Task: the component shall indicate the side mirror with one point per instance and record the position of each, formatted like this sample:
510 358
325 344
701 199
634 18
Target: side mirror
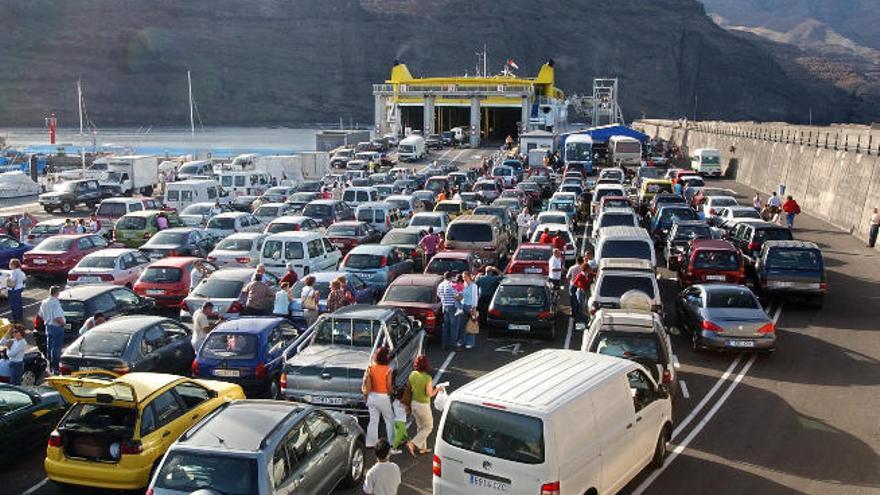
663 391
342 431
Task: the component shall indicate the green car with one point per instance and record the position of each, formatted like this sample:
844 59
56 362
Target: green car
27 416
135 229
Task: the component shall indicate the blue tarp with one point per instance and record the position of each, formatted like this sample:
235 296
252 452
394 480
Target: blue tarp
603 133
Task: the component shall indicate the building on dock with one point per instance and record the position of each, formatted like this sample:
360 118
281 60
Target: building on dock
489 107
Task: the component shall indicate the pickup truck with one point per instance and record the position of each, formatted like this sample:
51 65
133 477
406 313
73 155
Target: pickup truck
67 195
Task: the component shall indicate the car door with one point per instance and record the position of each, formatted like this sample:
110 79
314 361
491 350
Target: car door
20 420
161 424
334 256
149 355
331 451
195 399
691 303
295 465
405 346
649 415
177 352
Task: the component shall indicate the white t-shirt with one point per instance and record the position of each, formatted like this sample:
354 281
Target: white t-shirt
382 479
282 303
17 276
555 268
195 276
200 329
307 292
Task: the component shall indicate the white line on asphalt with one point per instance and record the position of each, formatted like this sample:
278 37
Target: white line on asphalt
690 417
684 389
36 487
778 313
568 335
443 367
702 424
457 156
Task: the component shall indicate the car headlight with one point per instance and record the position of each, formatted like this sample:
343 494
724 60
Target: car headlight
115 450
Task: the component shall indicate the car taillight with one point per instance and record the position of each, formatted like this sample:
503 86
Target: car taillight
63 370
283 380
430 317
38 322
823 286
130 447
767 328
708 325
235 307
489 248
149 491
550 488
195 367
667 377
72 277
383 262
54 439
261 372
436 466
494 312
243 259
753 246
543 315
711 211
121 370
211 258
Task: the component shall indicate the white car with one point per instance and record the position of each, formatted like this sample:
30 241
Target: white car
291 223
118 266
713 203
198 214
226 224
267 212
727 216
559 229
551 217
238 250
437 219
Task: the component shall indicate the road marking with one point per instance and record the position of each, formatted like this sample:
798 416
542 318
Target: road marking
443 367
690 417
457 156
36 487
684 389
26 306
511 348
568 335
702 424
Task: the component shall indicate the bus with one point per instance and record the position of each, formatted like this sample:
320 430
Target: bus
706 162
578 153
624 150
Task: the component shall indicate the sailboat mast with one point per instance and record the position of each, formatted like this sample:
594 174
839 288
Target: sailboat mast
192 124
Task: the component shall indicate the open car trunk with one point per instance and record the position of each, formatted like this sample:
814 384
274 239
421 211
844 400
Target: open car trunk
97 432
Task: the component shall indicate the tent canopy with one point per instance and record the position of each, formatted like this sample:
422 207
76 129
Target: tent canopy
601 134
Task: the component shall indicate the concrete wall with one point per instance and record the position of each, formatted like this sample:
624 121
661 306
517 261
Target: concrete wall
841 186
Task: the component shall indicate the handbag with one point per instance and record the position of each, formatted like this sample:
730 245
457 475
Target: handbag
310 303
473 323
406 396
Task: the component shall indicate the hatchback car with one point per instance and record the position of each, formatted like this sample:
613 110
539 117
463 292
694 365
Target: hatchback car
710 260
455 262
11 248
665 216
180 241
300 199
328 211
45 229
713 203
531 259
249 352
168 281
116 431
523 305
377 264
436 219
452 207
117 266
291 223
347 235
267 447
58 254
198 214
616 277
135 229
416 294
724 316
407 240
749 237
267 212
223 289
226 224
725 217
238 250
680 234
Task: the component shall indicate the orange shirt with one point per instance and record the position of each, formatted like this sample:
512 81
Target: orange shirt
379 378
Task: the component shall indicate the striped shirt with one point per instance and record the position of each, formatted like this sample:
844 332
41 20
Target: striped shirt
447 293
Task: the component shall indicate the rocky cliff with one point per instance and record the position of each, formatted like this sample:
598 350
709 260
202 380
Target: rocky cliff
282 62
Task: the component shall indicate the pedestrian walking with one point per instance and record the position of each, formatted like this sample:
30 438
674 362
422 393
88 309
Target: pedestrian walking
310 297
16 347
430 243
470 298
573 272
14 288
556 264
875 227
423 390
377 388
449 297
53 318
756 202
523 220
202 325
384 477
791 209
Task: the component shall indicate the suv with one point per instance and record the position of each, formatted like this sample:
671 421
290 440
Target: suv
329 368
265 447
69 194
710 260
792 268
481 234
617 276
750 236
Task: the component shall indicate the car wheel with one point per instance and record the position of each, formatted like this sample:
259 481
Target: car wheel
660 449
65 207
48 210
275 390
29 378
355 465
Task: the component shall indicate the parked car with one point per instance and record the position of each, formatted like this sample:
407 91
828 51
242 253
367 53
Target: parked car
424 220
794 270
135 229
45 229
266 449
11 248
328 211
531 258
453 261
35 368
58 254
362 292
416 294
278 194
238 250
117 266
112 209
249 352
483 234
344 341
300 199
267 212
377 264
725 316
308 252
226 224
66 196
168 280
524 305
710 260
407 241
726 217
487 190
426 197
117 431
347 235
198 214
223 289
28 414
179 241
713 203
291 223
557 229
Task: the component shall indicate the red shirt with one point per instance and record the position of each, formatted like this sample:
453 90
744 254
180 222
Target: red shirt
289 277
559 242
791 206
546 238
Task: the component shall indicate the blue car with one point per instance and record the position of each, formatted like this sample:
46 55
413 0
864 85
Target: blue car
11 248
377 264
363 293
249 352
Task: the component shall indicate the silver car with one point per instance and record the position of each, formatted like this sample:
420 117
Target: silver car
223 289
238 250
263 447
725 316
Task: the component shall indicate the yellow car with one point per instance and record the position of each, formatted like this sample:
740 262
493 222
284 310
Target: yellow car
118 430
652 187
452 207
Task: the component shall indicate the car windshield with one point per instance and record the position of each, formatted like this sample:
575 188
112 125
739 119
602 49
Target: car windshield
469 232
693 231
342 231
628 345
658 187
794 259
410 294
169 238
668 216
732 299
75 310
224 345
442 265
553 218
344 331
293 250
267 211
528 296
131 223
111 210
626 249
562 206
601 193
578 152
110 344
235 245
485 186
773 234
614 286
317 211
401 204
746 213
189 472
54 244
218 288
611 220
161 274
495 433
97 262
360 261
533 254
400 239
426 221
65 187
366 214
716 260
717 202
222 223
43 229
649 173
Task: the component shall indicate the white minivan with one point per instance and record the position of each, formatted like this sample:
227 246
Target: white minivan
179 195
309 252
706 162
353 196
554 422
624 242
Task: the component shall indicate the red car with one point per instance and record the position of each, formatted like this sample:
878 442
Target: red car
416 294
167 281
710 260
680 173
531 258
350 233
453 261
58 254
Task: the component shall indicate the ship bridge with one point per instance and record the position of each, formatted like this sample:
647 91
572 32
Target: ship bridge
490 108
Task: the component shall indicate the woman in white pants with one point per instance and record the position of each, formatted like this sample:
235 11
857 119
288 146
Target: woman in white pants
377 389
422 392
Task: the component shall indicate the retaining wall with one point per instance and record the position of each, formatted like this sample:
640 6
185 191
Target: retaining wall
837 180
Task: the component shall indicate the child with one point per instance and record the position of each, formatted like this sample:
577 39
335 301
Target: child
401 435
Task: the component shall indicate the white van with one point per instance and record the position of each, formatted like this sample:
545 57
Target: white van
309 252
249 183
411 149
624 242
353 196
554 422
624 150
706 162
198 168
179 195
381 215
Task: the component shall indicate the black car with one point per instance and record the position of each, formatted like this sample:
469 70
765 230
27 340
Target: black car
81 303
680 234
749 237
179 241
794 270
131 343
433 141
448 138
69 194
523 305
244 203
27 417
310 186
328 211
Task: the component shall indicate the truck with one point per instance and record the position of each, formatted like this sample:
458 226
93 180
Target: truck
411 149
132 174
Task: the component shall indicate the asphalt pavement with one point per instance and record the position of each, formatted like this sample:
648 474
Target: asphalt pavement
803 420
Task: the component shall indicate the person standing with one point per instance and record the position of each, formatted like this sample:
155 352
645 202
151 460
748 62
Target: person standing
448 299
546 238
756 202
556 264
377 388
198 273
259 297
774 201
161 221
337 297
429 244
202 324
16 347
14 289
290 276
282 300
470 298
571 276
875 228
310 297
523 220
791 209
53 318
384 477
25 225
94 224
423 390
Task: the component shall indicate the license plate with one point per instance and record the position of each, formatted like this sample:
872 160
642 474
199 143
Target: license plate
783 284
89 368
68 326
487 485
740 343
519 327
716 277
155 292
533 270
328 401
89 280
227 373
40 262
